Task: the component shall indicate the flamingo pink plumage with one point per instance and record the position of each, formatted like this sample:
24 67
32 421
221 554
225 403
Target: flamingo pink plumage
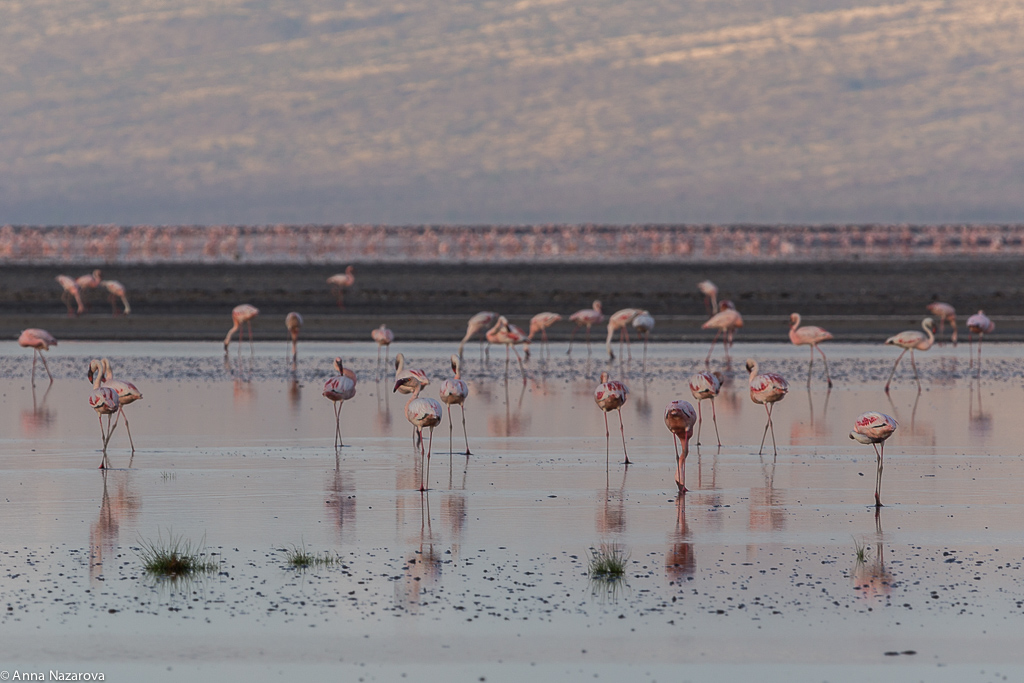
611 395
508 334
874 428
980 325
619 322
911 340
408 381
117 291
127 393
766 389
586 317
340 282
293 323
478 323
383 337
39 340
679 418
339 388
710 292
241 314
421 412
105 402
540 323
706 385
812 336
725 322
945 313
454 392
71 292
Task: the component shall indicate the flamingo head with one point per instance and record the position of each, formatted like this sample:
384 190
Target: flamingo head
751 365
794 319
597 305
456 364
929 323
405 382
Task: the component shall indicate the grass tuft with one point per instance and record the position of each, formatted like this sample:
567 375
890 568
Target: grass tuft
174 558
861 551
300 558
607 563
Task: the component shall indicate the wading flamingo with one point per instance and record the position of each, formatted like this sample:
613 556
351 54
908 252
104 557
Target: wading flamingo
911 340
383 337
293 323
39 340
706 385
339 388
540 323
587 317
115 291
946 314
619 322
679 418
421 412
243 313
610 396
105 402
127 393
89 280
766 389
508 334
710 292
478 323
980 325
71 292
454 392
812 336
725 322
643 323
406 381
874 428
340 282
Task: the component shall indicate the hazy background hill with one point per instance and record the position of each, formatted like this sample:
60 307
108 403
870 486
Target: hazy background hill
180 111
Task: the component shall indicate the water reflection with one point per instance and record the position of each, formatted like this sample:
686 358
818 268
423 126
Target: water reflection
115 508
766 512
611 508
816 430
38 420
870 578
341 501
513 423
422 564
979 423
680 561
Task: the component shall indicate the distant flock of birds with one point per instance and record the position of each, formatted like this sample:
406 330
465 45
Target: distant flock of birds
109 396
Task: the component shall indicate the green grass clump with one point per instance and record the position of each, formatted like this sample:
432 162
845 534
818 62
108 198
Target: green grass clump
607 563
861 551
175 558
300 558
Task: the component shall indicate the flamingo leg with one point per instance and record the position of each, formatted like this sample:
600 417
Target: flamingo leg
810 366
419 431
681 467
771 425
251 348
607 447
338 441
878 477
522 370
970 347
35 352
981 338
128 427
713 341
914 365
765 435
622 430
714 419
430 444
588 341
700 421
828 377
571 337
889 381
464 432
629 349
450 430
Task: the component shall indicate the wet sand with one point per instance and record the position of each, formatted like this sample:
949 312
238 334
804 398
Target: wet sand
752 573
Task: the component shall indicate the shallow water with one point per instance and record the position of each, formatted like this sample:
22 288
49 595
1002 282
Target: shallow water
753 572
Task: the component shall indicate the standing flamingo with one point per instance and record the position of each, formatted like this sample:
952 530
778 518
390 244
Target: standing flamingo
980 325
710 292
508 334
540 323
610 396
340 282
243 313
726 322
587 317
619 322
71 292
383 336
643 323
478 323
766 389
339 388
117 291
454 392
127 393
421 412
406 381
89 280
293 322
105 402
706 385
911 340
38 340
874 428
679 418
812 336
945 313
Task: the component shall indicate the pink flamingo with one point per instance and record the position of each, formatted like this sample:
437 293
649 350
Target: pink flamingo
116 291
454 392
508 334
710 292
383 337
610 396
874 428
766 389
105 402
89 281
71 292
619 322
293 323
421 412
726 322
402 373
340 282
127 393
706 385
812 336
911 340
339 388
38 340
945 313
243 313
478 323
587 317
540 323
679 418
980 325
